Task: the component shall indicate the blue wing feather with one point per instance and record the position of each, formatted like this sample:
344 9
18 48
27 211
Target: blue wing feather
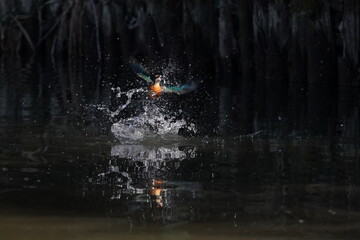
140 71
186 88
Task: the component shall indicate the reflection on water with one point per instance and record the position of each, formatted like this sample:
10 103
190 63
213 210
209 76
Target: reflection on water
149 162
152 153
252 186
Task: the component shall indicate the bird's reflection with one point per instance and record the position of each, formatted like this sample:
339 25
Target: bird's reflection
146 175
151 153
156 192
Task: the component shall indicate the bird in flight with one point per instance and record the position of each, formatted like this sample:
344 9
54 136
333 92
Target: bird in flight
156 88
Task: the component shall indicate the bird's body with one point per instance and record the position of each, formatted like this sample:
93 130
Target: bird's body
156 89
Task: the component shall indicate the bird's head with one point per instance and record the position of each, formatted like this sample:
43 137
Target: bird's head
157 78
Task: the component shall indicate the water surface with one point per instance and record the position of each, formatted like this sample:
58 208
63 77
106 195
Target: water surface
68 171
74 186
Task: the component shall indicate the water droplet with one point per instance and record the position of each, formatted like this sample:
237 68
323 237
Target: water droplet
332 212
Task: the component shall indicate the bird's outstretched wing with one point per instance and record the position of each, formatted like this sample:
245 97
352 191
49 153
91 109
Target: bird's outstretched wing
181 89
140 71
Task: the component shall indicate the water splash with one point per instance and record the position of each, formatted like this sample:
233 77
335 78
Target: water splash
129 94
155 121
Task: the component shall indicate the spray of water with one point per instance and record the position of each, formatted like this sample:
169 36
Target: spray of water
154 121
129 94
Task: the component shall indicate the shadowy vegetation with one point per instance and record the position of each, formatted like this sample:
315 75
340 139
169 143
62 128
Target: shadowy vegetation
259 57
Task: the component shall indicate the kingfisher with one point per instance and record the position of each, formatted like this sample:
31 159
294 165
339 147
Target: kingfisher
155 88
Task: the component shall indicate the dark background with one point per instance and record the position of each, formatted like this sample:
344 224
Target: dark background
277 114
281 66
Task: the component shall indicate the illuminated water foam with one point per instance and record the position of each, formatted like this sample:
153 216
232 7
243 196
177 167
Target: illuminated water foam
153 121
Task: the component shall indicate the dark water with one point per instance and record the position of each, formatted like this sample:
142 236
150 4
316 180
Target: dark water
63 175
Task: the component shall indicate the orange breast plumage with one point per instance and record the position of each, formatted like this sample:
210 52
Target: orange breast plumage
155 91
